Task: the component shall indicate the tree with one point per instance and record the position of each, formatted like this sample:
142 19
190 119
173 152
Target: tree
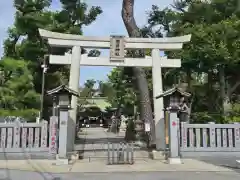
211 59
89 85
123 96
139 73
17 92
24 43
86 92
106 90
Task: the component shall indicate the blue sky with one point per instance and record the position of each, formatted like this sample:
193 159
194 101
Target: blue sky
109 22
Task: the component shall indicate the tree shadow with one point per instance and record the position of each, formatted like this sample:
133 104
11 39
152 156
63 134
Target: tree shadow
228 162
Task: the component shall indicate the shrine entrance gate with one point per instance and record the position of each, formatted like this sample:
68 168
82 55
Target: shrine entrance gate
117 45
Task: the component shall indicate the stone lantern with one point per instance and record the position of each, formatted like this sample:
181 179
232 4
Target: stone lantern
176 100
62 96
175 103
140 133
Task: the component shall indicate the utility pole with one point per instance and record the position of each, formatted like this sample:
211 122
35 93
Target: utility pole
44 70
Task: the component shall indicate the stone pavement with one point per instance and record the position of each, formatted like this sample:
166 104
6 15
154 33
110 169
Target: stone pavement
229 161
93 141
93 145
99 166
23 175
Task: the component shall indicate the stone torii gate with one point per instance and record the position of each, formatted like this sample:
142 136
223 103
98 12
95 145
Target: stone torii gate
117 46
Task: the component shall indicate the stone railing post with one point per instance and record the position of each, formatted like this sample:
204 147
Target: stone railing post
174 137
237 135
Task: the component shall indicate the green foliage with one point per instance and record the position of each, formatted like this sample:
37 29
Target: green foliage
27 114
24 44
16 85
86 92
205 117
130 131
234 114
214 48
124 94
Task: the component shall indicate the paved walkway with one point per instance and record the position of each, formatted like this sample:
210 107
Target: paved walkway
141 170
93 142
23 175
94 139
98 166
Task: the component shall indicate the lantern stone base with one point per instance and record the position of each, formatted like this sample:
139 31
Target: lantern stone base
61 161
157 155
140 143
176 160
71 157
238 163
123 127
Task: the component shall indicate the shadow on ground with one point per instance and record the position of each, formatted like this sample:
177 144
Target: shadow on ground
223 161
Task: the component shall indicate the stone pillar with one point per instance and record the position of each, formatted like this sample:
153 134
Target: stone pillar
63 133
158 103
74 85
174 135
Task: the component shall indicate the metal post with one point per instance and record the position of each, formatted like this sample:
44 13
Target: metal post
44 70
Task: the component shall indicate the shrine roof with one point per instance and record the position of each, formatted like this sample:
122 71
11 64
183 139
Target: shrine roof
62 89
172 91
100 102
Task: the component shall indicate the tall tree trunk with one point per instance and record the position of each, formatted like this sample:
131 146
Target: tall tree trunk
210 91
139 73
225 101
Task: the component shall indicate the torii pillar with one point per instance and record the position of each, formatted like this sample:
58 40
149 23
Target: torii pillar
158 103
74 85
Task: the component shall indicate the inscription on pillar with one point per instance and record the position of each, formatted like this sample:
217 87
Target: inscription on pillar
117 46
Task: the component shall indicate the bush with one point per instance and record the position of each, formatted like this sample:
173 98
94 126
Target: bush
130 134
28 114
205 117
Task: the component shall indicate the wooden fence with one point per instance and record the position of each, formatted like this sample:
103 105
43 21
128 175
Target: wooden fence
209 138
